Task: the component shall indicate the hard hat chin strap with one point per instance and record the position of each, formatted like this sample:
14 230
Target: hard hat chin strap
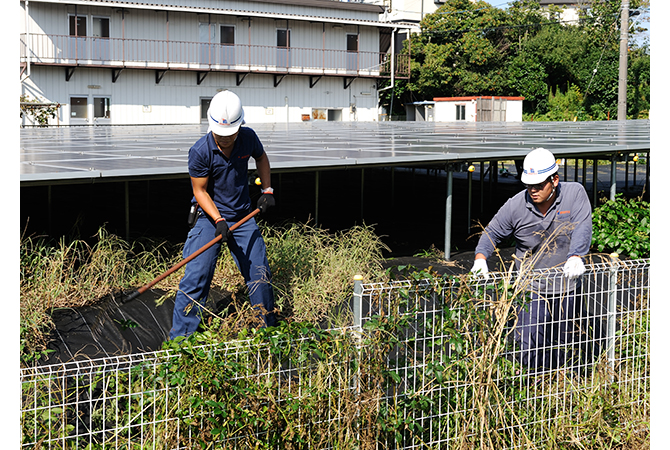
553 189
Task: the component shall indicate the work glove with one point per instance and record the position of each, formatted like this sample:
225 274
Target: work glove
480 268
265 201
574 267
222 229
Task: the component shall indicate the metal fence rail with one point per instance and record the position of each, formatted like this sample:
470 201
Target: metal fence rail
453 371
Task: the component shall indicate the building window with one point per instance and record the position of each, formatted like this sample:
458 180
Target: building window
228 34
283 38
100 38
100 27
204 107
77 48
102 108
78 26
79 107
352 42
460 112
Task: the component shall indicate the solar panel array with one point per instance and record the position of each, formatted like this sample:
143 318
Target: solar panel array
73 153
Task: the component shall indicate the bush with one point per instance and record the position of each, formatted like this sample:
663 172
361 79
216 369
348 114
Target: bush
622 226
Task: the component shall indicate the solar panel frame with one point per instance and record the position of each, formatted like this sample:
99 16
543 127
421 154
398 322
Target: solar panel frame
70 154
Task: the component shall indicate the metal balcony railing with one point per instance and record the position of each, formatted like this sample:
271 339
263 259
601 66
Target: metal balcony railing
162 54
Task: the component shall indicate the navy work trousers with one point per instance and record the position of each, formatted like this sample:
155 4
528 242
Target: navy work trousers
248 250
547 331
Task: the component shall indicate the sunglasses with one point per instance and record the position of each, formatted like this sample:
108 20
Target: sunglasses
538 186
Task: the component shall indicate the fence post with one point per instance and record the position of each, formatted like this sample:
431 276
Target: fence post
358 301
611 312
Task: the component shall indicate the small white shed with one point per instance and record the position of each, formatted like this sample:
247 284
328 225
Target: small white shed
478 109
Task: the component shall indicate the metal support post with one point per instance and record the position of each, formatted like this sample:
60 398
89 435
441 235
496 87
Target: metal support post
469 199
576 170
393 186
612 313
358 302
626 176
447 217
613 178
317 177
595 183
127 208
481 187
362 194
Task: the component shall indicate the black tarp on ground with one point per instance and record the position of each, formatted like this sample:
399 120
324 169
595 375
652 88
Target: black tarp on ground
112 327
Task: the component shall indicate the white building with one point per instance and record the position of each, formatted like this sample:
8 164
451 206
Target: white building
145 62
467 109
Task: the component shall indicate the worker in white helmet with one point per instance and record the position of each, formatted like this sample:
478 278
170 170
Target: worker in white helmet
218 167
550 222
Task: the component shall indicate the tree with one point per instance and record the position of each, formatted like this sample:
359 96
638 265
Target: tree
471 48
460 51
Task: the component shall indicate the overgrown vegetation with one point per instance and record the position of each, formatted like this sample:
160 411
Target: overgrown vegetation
74 273
430 365
623 226
312 273
405 379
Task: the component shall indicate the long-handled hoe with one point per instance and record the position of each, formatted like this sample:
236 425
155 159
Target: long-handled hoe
193 255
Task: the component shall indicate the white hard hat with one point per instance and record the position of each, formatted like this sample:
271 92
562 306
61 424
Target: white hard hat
538 165
225 114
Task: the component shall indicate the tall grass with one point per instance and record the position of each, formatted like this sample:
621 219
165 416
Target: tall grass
312 273
75 273
313 269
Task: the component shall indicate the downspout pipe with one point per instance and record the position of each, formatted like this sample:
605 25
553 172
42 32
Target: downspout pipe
28 51
392 62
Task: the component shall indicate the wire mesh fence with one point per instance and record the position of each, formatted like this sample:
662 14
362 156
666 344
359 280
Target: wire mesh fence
515 361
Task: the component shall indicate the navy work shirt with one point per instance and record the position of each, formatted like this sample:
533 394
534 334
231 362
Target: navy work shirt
228 183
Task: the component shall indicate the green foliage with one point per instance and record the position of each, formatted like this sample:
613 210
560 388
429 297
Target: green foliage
429 362
38 112
622 226
472 48
563 106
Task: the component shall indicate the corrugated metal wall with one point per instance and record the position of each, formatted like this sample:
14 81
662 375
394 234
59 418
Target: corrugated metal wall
136 98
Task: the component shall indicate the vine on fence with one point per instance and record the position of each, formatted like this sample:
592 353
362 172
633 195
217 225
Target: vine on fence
429 368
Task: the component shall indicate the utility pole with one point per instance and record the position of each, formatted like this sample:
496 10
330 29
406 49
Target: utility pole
623 61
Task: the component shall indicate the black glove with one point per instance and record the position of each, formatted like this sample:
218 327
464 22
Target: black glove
265 202
222 229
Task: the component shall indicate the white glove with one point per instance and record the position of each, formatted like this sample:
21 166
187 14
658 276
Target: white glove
480 268
574 267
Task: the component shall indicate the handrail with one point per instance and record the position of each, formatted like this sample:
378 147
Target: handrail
164 54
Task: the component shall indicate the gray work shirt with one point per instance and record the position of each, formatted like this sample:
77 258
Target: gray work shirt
542 241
